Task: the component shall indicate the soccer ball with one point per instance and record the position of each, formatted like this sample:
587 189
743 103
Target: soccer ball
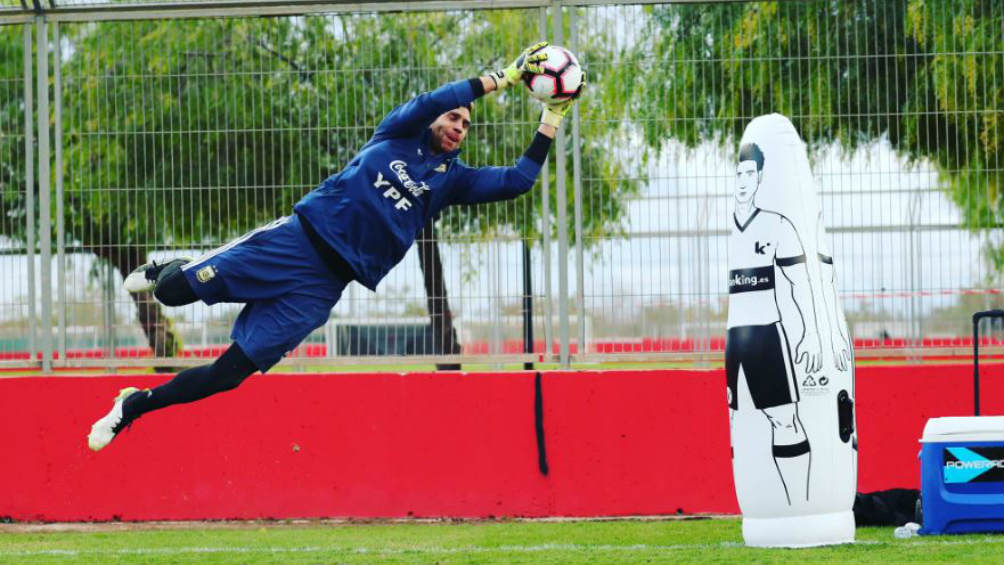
562 77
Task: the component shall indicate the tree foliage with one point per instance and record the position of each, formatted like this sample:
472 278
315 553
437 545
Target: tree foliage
927 75
186 133
12 151
183 133
189 132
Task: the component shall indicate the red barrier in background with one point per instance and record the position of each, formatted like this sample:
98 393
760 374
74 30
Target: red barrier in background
364 445
515 346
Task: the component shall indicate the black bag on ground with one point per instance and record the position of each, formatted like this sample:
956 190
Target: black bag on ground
893 507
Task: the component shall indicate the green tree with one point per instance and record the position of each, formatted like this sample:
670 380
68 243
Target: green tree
12 154
186 133
926 74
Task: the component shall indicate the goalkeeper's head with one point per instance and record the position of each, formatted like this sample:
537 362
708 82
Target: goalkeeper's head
450 129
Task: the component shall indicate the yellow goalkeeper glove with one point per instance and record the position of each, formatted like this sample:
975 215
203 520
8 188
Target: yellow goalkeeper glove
527 62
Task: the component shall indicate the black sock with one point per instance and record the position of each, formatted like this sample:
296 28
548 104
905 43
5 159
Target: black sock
226 373
172 287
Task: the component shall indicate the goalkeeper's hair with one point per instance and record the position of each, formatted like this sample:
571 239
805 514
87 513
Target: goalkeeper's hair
751 152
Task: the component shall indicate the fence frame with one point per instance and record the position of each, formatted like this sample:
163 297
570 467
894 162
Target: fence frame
48 163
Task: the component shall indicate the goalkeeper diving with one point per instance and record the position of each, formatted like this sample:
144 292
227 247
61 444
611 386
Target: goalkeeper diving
354 226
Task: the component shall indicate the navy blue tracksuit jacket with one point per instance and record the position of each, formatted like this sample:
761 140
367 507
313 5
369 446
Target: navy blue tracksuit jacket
371 212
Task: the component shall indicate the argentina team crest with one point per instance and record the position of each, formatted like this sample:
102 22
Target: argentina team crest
205 274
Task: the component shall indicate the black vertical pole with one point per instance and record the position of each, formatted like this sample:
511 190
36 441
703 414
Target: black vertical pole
527 306
976 352
538 424
976 364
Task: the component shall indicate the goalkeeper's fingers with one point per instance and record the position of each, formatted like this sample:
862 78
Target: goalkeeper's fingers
536 47
530 65
561 107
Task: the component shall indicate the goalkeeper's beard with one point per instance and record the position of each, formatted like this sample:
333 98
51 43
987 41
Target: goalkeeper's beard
441 141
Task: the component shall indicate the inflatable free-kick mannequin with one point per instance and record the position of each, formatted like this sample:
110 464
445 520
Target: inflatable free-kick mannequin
788 356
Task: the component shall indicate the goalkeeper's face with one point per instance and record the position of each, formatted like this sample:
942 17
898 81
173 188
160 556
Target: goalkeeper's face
450 129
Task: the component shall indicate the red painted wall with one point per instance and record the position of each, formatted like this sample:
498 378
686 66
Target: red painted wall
618 442
990 347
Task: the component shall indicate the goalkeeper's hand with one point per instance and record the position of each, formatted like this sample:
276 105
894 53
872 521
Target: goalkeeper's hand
555 112
527 62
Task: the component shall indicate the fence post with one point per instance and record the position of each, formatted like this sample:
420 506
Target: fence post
915 339
580 277
562 203
109 311
44 192
29 189
545 230
57 95
705 294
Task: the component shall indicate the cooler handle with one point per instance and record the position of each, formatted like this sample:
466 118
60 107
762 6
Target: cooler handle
976 353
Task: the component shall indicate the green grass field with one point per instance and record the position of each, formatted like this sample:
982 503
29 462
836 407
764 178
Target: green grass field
613 541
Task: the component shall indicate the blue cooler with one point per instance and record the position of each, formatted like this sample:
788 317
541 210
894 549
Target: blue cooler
962 475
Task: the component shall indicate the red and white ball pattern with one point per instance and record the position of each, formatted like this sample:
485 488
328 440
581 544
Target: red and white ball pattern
562 77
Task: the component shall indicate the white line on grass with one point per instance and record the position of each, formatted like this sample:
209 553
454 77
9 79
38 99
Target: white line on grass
451 550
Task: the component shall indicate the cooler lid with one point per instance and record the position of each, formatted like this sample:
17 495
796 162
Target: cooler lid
967 428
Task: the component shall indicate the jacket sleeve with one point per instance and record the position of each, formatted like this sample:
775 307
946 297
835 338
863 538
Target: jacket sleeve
489 184
416 114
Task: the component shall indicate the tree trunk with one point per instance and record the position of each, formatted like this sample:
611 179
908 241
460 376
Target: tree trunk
444 335
160 335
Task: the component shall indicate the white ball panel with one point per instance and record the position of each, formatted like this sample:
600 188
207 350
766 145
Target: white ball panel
556 58
571 79
542 87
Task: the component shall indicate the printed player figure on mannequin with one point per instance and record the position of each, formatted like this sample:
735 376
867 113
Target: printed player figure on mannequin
788 358
758 347
839 342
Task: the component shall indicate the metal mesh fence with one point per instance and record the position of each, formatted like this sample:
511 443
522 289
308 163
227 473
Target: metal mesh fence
900 103
223 124
18 315
174 136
